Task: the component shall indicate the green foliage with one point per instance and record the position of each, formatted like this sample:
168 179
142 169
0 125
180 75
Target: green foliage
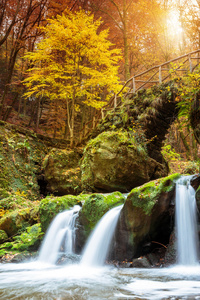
188 88
28 240
170 154
191 167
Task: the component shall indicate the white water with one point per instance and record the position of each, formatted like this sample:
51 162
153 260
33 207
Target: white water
186 223
97 247
60 236
37 282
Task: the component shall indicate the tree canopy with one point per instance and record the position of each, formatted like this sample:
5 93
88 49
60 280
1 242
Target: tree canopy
73 65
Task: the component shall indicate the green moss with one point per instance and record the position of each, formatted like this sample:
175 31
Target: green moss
95 206
117 138
20 159
104 147
17 201
16 221
62 171
114 198
147 195
197 196
51 206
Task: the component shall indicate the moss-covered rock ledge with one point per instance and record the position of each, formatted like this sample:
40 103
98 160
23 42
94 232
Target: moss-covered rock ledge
23 223
94 206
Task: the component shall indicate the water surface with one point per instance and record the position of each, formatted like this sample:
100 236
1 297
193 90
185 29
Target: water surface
38 281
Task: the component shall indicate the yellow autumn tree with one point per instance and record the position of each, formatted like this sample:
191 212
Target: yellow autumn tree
73 62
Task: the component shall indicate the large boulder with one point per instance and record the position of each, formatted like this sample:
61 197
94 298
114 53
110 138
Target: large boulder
146 220
114 160
62 171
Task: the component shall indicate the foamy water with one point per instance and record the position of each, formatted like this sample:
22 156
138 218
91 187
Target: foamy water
35 281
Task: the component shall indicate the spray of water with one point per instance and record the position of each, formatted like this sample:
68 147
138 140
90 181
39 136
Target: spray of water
186 223
60 236
97 247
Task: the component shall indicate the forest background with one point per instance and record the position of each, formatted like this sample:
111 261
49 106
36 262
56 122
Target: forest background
122 38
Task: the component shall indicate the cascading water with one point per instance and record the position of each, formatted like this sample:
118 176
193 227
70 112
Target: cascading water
186 223
61 234
97 247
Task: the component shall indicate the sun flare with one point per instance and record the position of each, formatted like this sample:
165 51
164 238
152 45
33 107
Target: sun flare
174 27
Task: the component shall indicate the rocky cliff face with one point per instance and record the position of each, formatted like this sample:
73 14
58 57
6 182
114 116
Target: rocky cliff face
21 154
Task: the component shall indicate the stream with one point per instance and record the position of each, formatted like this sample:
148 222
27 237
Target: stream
37 281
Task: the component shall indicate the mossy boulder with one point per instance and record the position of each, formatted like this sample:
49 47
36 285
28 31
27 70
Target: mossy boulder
146 219
62 171
16 221
95 206
52 205
114 160
93 209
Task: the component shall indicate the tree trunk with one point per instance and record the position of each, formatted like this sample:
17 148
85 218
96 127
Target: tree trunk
126 46
37 121
10 73
8 111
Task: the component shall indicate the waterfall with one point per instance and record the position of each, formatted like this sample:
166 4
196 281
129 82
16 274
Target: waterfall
97 247
60 236
186 222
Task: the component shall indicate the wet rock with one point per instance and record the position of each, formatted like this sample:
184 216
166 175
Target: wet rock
68 259
146 220
141 262
171 253
195 182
